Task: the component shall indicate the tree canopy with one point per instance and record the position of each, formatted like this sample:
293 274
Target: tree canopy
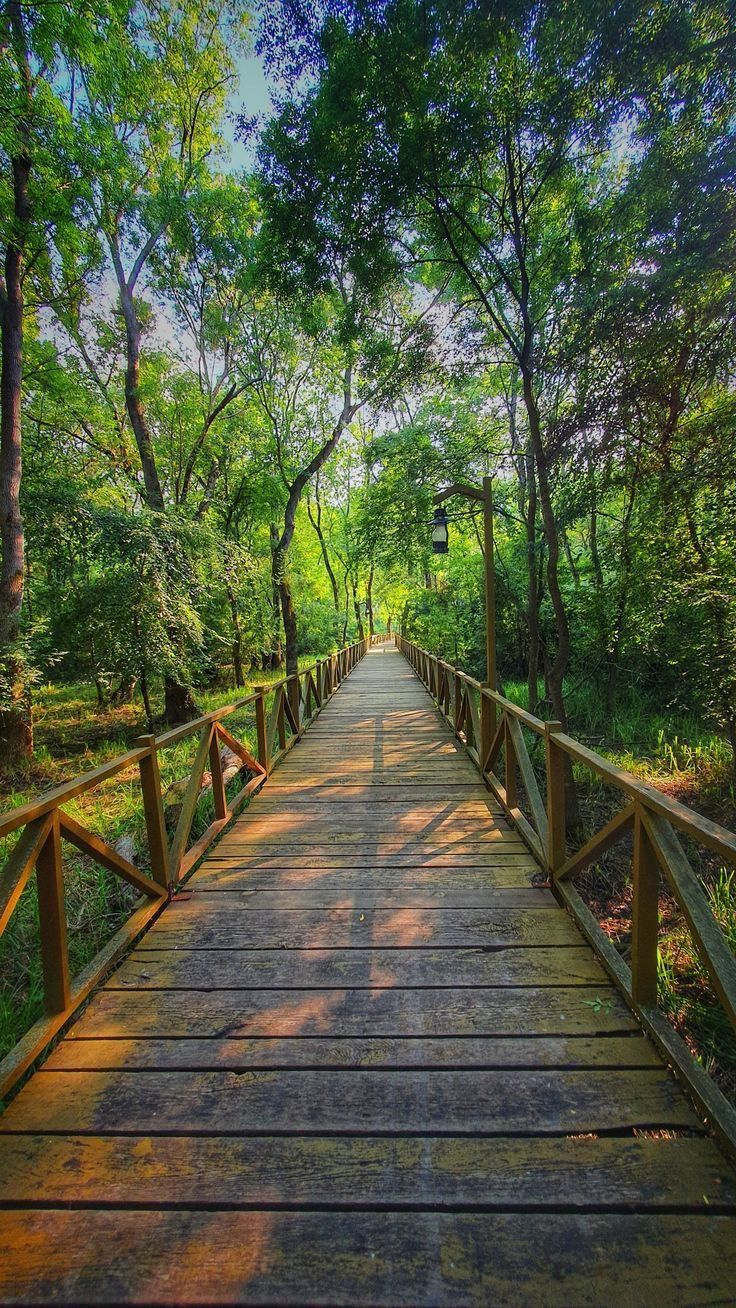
465 240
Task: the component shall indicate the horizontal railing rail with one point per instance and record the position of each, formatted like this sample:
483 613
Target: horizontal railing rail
282 711
490 727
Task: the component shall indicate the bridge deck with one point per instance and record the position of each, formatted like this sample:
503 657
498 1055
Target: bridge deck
367 1061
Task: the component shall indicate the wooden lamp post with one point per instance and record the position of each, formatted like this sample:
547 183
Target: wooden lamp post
483 496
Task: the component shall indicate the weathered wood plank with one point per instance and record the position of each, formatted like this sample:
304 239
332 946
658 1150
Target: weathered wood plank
202 1054
284 968
426 1012
232 874
199 925
403 896
267 1257
420 1102
305 1171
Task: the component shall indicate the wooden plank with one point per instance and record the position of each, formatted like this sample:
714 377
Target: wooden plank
353 1172
423 1259
393 1012
426 834
305 794
189 804
193 924
316 968
91 845
205 1054
19 866
236 747
531 787
415 853
351 1101
401 896
52 923
619 825
715 953
232 874
644 916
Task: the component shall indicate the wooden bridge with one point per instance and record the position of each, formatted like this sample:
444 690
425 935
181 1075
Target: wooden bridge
366 1055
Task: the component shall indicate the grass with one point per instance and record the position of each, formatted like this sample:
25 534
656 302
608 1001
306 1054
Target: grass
73 735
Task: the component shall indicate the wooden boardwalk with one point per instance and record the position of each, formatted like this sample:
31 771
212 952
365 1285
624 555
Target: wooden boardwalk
367 1061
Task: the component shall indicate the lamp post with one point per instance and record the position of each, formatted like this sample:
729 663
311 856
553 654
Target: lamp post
482 496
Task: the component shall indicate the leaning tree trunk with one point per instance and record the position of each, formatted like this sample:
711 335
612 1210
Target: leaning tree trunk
559 665
16 727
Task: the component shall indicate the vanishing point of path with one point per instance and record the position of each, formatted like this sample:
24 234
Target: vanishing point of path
368 1060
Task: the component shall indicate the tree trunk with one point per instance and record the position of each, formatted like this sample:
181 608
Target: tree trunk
369 602
16 728
125 691
316 521
179 703
556 674
290 628
237 634
153 493
532 593
146 701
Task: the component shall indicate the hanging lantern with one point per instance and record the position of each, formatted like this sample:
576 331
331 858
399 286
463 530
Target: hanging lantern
439 531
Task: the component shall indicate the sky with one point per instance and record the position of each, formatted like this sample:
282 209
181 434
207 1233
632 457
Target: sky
250 97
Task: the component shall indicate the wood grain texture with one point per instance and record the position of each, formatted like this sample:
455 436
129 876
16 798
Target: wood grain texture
369 1061
206 1054
295 968
425 1259
349 1102
306 1171
388 1011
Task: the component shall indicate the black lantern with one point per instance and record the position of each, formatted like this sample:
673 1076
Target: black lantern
439 531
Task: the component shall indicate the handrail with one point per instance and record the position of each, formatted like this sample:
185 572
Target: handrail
492 727
297 700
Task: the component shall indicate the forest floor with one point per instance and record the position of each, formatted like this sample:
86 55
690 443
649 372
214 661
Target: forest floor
681 757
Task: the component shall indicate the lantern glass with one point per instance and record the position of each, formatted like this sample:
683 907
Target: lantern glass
439 532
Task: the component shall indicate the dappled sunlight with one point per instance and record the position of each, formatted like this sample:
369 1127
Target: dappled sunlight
312 1013
405 927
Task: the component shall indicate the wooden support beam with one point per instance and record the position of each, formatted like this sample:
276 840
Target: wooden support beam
644 916
52 922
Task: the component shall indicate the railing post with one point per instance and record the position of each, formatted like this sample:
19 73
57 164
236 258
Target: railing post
261 729
52 922
153 809
556 798
487 725
512 794
218 785
644 917
457 700
292 690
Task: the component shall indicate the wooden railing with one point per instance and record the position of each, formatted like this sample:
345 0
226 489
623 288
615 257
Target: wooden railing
282 712
492 728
